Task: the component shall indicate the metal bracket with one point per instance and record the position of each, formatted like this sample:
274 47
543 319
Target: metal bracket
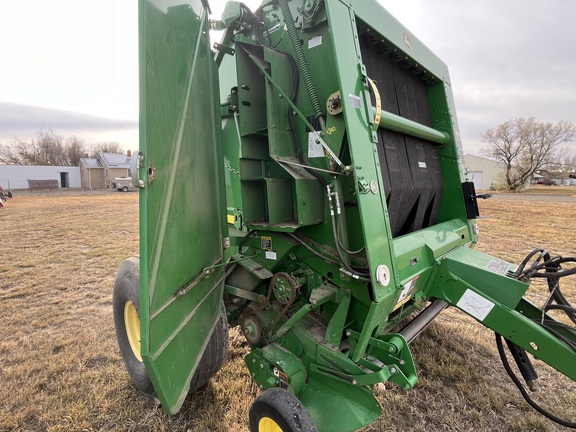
334 103
363 186
224 48
137 162
247 295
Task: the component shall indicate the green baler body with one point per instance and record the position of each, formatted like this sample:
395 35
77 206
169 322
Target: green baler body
244 177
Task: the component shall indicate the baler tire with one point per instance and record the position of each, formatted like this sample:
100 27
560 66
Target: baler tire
127 290
214 355
125 189
277 409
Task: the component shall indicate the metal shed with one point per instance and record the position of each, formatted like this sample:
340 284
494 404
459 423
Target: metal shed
99 172
483 172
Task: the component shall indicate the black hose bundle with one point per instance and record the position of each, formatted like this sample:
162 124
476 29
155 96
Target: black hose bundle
549 268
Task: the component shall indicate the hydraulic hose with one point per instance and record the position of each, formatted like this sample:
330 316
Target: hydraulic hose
543 266
523 392
301 59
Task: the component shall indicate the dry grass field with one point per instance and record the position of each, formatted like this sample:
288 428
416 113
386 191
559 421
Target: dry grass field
60 368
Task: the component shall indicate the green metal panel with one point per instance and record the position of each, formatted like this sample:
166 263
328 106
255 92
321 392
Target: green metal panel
181 203
476 284
354 88
379 18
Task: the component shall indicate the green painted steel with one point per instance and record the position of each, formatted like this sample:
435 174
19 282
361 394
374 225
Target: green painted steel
270 146
181 203
479 285
340 224
409 127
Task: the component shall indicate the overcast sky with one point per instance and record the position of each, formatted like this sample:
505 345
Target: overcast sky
72 64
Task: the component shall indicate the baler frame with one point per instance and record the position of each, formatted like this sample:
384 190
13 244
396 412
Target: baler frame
318 256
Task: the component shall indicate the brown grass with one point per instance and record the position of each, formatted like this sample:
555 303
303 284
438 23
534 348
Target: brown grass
60 369
536 189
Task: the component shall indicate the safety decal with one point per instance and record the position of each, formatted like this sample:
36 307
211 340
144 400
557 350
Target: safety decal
355 101
475 305
315 149
266 242
315 41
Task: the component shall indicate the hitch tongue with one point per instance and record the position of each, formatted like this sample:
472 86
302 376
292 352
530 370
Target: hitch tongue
524 364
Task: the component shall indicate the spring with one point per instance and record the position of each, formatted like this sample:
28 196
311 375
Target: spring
304 68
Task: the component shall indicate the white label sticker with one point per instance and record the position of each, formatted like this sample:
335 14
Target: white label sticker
315 41
408 288
273 29
271 255
355 101
498 266
422 164
474 304
315 150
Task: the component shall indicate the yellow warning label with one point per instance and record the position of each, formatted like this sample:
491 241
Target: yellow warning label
378 104
266 242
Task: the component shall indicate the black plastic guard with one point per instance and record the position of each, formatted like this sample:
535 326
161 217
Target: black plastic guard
472 211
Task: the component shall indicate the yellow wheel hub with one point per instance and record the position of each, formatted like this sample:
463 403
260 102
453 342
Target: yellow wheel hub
266 424
132 323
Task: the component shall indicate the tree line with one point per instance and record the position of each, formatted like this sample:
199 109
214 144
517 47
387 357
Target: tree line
50 148
525 146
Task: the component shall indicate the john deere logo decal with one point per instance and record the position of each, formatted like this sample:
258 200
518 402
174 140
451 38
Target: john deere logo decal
407 41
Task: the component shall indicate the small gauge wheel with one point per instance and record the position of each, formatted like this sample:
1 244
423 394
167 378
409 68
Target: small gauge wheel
277 410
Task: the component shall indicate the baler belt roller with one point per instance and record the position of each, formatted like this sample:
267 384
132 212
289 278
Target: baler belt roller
403 125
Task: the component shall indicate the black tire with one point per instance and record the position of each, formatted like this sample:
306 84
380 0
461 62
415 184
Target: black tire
124 188
113 185
282 408
9 194
214 356
127 289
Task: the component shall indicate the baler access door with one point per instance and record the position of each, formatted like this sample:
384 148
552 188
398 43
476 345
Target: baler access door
181 196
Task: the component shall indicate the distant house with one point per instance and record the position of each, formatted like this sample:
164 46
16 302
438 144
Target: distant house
538 178
561 179
99 172
485 173
91 174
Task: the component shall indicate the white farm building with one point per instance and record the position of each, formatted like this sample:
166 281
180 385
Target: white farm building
39 176
96 173
483 172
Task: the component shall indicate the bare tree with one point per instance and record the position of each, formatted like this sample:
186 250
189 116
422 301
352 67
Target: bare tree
47 148
106 147
50 147
75 150
8 155
524 146
25 152
565 166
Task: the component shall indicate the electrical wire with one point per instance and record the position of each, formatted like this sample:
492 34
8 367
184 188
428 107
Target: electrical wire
549 268
314 251
523 391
